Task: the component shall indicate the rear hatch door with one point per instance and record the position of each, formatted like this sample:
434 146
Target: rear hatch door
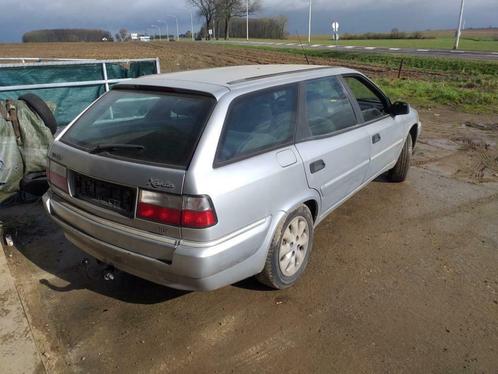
130 140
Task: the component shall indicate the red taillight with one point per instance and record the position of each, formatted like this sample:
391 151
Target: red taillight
57 175
198 212
195 219
186 211
156 213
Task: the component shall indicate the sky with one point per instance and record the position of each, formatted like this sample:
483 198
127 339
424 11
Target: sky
354 16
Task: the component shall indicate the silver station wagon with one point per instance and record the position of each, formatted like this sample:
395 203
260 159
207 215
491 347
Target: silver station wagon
200 179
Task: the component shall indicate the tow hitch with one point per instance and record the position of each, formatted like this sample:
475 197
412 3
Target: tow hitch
108 273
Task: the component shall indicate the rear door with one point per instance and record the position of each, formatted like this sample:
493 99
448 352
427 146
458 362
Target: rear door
385 132
334 147
256 170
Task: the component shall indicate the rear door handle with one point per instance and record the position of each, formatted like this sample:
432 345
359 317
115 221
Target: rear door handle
317 166
375 138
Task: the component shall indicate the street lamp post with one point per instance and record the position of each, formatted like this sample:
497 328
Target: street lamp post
167 28
192 25
309 24
459 30
247 20
177 32
157 27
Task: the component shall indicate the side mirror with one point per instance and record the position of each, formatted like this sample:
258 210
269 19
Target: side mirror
399 108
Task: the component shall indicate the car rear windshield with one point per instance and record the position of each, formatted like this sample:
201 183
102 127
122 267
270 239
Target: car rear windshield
156 127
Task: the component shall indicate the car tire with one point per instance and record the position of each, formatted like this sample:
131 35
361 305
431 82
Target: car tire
290 250
37 105
400 171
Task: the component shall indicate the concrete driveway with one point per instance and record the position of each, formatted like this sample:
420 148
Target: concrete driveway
402 278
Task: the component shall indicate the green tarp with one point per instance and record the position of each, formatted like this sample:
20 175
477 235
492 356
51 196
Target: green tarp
17 160
69 101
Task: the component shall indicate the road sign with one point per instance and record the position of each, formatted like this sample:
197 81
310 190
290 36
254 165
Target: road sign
335 30
210 32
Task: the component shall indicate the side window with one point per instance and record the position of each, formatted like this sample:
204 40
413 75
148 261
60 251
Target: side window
328 108
371 103
257 122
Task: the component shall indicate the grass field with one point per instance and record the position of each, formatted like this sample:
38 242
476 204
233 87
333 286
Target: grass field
476 34
469 86
437 43
482 33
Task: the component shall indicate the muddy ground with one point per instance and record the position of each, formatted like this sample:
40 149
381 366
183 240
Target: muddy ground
402 278
177 56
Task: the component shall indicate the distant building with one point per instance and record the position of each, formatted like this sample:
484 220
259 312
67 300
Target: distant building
144 38
134 36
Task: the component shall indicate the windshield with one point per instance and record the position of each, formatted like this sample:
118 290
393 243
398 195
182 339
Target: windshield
147 126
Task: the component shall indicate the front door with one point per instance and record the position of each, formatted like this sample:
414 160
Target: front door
386 134
334 148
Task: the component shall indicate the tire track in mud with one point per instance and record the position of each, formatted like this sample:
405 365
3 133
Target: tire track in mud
255 351
459 208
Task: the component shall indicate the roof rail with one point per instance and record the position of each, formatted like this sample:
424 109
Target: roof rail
276 74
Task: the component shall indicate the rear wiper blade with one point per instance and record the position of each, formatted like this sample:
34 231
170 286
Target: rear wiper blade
116 147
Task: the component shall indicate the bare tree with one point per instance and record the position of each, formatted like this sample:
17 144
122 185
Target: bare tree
227 9
122 35
206 9
269 28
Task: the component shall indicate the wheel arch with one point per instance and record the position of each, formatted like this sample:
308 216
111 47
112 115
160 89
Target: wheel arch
414 134
312 205
311 199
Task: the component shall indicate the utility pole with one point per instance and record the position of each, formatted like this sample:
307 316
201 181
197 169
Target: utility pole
192 25
309 25
247 20
459 30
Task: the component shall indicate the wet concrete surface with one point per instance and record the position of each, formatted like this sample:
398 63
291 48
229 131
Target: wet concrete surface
18 353
402 278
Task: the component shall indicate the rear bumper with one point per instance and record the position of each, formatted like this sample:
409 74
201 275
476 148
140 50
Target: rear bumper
187 265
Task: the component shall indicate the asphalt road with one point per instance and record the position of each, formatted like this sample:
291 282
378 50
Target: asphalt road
479 55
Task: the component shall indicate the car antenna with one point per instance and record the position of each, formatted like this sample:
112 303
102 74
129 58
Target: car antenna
302 47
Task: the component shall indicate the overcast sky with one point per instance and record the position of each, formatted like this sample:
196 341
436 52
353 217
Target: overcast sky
19 16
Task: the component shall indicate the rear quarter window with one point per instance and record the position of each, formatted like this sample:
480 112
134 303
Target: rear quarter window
258 122
164 126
